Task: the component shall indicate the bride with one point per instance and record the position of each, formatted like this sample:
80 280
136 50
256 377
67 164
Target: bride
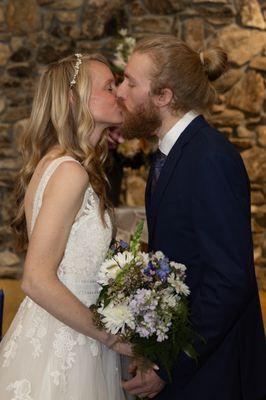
52 350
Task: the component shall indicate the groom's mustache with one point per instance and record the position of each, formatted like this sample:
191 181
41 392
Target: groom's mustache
121 105
138 112
141 122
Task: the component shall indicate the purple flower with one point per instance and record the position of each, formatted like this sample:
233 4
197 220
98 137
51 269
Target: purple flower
143 331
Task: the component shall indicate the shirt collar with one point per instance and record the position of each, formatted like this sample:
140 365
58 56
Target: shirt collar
169 139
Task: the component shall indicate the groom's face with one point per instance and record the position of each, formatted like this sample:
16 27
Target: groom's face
141 118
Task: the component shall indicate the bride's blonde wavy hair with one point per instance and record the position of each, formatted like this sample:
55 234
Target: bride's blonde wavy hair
55 120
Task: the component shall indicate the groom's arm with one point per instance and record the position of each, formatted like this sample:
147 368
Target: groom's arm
222 226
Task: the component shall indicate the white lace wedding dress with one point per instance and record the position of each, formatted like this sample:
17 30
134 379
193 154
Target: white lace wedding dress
40 357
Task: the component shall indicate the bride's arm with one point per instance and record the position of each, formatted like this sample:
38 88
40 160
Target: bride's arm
62 199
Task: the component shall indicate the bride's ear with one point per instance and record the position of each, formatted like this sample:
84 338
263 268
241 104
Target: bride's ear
164 98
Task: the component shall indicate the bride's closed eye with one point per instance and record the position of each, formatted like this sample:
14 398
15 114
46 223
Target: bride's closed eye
111 87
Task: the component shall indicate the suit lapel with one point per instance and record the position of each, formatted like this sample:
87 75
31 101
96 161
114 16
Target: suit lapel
173 158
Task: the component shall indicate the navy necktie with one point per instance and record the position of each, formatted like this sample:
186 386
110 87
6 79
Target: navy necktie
158 163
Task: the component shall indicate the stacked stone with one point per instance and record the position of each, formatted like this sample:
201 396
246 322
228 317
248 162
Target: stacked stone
36 32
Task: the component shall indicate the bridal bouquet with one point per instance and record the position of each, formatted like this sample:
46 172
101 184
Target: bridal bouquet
143 299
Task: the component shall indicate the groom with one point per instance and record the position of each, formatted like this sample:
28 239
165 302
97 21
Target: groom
198 213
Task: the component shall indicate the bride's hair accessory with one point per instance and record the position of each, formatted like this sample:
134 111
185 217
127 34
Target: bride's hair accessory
76 68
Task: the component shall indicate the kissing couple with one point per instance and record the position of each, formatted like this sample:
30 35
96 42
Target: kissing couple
198 213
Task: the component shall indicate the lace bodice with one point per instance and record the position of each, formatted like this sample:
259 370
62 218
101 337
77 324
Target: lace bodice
87 244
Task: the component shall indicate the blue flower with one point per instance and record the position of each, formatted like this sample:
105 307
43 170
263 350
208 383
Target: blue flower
123 244
164 269
149 268
164 266
162 274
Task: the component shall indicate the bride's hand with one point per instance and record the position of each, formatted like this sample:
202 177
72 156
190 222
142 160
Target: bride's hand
115 343
123 348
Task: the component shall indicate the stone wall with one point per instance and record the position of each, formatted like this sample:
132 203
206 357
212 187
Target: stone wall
36 32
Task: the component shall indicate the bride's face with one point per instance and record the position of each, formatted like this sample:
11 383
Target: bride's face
103 100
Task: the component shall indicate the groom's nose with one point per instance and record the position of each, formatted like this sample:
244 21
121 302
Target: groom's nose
120 93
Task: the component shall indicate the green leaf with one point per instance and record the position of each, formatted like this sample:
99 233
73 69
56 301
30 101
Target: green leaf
190 351
103 293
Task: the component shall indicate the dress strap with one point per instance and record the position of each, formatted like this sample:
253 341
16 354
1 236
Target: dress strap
43 183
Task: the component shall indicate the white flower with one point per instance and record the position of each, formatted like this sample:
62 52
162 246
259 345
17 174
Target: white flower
119 61
123 258
159 254
116 317
130 41
170 299
178 266
161 337
110 268
124 49
144 256
161 332
180 287
123 32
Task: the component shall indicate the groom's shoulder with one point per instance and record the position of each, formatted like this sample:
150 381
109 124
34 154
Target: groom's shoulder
211 141
211 148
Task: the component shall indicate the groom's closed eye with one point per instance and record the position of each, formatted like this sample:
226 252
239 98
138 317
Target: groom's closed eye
131 81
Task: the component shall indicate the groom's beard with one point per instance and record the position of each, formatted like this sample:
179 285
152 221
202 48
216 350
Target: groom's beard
143 122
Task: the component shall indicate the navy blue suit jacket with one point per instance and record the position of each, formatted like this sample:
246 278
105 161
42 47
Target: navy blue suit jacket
199 215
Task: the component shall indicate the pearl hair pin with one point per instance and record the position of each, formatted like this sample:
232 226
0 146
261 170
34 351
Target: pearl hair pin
76 68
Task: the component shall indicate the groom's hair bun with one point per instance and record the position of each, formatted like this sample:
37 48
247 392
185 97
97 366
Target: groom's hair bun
187 72
214 61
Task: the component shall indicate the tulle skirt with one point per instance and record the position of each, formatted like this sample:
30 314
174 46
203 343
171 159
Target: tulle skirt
43 359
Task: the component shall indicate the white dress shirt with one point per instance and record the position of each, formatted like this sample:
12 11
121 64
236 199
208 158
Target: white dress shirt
169 139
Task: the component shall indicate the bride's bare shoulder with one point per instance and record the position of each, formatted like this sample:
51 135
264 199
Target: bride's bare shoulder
70 174
69 180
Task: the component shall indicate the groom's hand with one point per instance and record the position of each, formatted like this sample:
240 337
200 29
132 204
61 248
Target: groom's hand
144 384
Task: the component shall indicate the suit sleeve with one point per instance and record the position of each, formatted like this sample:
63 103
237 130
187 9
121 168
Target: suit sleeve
221 217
